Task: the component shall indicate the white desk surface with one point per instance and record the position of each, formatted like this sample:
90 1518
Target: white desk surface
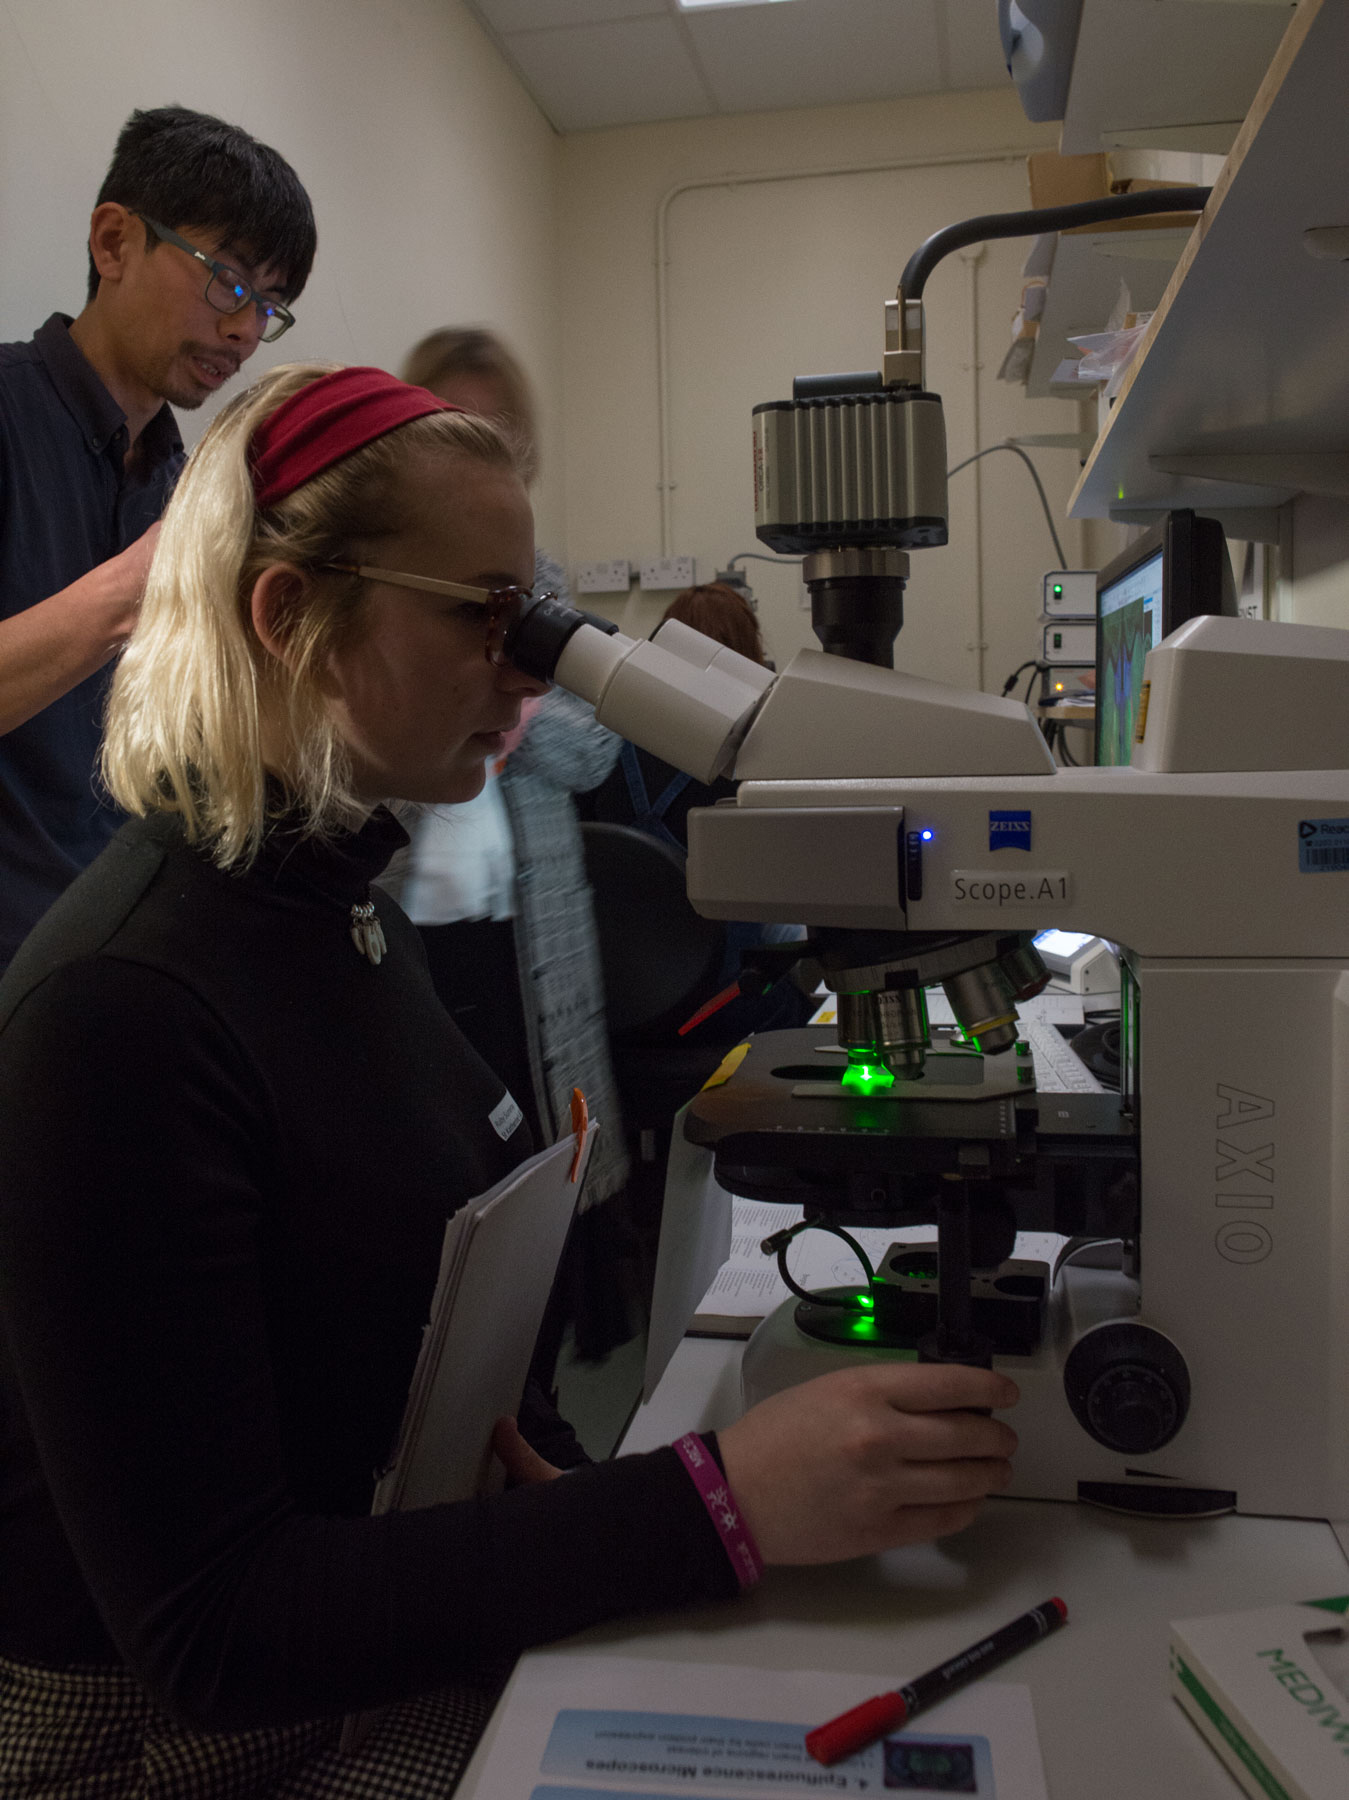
1108 1728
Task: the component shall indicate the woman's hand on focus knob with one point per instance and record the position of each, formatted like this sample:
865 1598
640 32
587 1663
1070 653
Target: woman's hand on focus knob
869 1458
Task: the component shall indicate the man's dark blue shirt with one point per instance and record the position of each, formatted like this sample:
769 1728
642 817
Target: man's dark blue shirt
67 503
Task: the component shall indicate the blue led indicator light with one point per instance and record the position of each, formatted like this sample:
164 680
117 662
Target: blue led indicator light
926 836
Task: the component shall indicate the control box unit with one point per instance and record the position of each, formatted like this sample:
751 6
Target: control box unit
1070 641
1069 594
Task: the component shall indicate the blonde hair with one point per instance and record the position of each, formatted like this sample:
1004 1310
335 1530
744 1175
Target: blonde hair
195 686
474 350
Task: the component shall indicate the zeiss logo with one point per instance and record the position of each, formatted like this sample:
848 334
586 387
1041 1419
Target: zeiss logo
1009 831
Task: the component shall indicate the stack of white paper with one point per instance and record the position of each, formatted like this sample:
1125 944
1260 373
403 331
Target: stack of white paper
497 1265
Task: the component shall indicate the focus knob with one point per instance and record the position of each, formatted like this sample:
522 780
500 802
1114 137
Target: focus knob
1128 1387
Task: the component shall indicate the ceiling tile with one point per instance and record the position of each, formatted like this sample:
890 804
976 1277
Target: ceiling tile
538 15
974 56
817 52
625 73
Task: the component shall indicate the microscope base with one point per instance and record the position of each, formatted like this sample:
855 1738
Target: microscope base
1057 1458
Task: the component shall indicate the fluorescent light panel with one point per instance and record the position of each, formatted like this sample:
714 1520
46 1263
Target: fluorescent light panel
699 5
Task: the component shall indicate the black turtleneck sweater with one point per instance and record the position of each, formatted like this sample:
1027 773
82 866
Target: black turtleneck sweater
228 1148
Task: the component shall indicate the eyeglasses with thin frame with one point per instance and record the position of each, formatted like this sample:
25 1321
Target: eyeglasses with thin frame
226 289
501 606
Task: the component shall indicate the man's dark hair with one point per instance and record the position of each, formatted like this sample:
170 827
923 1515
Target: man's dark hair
186 168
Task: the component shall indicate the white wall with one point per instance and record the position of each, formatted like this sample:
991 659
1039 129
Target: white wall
444 197
1313 585
768 279
432 173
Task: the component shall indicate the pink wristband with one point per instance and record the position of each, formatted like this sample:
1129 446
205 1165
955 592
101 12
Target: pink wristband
715 1493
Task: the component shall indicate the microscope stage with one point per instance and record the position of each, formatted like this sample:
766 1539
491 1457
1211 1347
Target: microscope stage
1066 1162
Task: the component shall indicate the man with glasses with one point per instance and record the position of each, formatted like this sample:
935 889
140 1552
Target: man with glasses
200 239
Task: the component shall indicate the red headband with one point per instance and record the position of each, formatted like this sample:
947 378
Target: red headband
326 421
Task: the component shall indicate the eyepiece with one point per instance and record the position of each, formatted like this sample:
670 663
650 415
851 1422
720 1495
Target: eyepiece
545 627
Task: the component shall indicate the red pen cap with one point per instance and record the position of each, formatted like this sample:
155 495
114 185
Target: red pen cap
854 1730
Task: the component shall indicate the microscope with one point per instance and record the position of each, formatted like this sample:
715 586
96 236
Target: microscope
1188 1353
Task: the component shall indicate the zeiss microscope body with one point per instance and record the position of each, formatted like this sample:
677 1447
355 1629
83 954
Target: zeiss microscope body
913 828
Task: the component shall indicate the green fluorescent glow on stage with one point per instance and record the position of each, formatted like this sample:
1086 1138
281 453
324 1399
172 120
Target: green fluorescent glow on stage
867 1078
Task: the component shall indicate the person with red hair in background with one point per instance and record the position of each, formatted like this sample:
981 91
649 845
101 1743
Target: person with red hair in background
722 612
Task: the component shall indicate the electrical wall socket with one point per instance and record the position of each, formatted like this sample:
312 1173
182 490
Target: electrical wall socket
663 573
604 577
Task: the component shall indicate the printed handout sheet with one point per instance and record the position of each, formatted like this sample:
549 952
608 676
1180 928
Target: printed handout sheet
572 1726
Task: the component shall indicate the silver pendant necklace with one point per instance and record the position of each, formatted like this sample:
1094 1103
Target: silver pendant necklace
367 933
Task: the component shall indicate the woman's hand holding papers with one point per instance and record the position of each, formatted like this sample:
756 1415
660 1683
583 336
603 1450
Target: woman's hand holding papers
522 1463
869 1458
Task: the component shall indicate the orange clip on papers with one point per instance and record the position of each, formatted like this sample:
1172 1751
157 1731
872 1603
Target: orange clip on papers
580 1124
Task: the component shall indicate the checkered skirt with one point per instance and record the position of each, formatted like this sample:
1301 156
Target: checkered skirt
92 1733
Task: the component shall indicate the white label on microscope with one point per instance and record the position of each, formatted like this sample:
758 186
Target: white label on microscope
1000 889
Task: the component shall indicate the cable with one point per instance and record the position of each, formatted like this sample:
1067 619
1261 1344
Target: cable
1012 679
1007 444
778 1242
1076 1245
758 556
1040 219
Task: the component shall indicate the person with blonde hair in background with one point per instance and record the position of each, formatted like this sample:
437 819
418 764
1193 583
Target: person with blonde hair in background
485 377
233 1118
499 892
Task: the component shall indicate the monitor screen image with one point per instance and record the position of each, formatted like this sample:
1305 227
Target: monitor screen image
1175 571
1129 624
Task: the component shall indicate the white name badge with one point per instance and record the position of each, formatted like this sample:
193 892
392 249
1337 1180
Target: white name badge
505 1116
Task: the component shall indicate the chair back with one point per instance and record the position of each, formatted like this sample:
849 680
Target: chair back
660 958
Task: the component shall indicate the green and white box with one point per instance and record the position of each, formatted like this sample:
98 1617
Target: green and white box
1270 1692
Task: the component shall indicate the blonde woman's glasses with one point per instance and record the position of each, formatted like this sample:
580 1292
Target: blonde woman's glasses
501 606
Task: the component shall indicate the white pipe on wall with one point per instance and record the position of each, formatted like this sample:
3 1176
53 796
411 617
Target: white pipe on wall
665 482
972 256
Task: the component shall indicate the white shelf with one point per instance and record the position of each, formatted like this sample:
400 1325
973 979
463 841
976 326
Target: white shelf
1240 394
1167 74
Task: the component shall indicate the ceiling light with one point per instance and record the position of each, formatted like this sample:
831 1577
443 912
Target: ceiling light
698 5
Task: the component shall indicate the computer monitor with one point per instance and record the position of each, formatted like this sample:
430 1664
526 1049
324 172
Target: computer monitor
1175 571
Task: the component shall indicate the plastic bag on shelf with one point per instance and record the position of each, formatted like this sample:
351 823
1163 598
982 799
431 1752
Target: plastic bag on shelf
1107 354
